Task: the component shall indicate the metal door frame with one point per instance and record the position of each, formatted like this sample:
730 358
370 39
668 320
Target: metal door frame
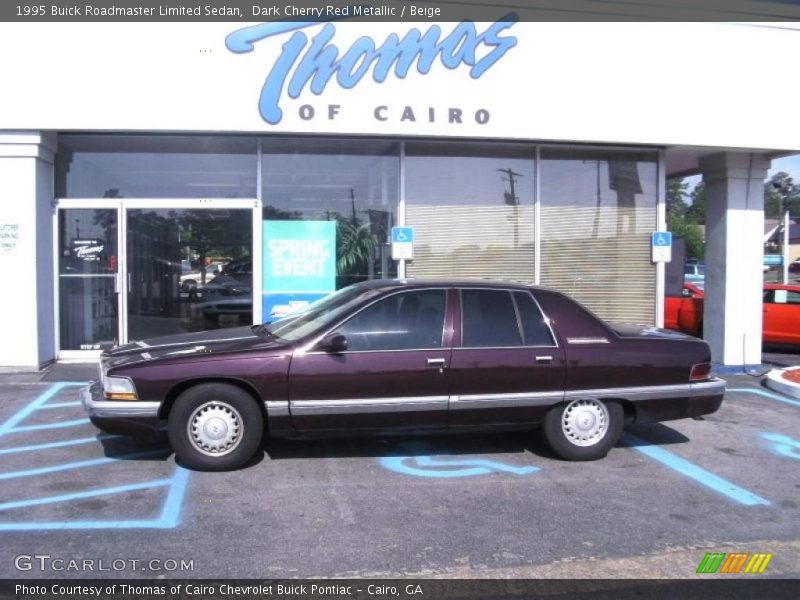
122 205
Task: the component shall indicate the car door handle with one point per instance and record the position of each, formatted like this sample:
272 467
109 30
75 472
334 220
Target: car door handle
436 363
544 360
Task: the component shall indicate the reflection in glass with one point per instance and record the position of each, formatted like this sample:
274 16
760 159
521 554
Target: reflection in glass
87 268
153 166
354 183
472 209
189 270
597 213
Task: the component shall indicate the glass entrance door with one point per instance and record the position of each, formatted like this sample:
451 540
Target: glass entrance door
128 271
188 269
88 278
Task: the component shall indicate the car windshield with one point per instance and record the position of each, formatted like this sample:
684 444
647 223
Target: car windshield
320 313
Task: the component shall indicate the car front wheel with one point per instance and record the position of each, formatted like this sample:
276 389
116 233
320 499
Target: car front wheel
215 427
583 429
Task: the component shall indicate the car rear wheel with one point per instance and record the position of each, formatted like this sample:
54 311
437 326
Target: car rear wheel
215 427
584 429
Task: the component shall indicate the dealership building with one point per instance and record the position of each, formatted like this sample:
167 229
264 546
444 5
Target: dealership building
165 177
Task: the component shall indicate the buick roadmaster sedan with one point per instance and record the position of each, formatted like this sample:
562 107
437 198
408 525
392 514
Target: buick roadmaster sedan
405 356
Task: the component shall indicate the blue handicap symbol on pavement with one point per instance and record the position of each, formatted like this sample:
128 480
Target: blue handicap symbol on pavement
402 235
661 239
419 465
784 444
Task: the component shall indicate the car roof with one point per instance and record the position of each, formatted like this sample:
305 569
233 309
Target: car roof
414 282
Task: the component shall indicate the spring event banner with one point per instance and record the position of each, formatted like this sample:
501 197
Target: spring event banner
299 265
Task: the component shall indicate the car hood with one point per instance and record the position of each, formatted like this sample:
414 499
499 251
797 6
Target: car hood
214 342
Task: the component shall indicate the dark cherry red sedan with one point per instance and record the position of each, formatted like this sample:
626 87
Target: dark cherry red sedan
409 356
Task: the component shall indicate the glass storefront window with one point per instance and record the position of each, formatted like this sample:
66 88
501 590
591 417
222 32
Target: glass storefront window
472 209
188 270
598 208
153 166
346 193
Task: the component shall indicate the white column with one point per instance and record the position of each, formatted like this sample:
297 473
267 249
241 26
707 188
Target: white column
26 249
734 184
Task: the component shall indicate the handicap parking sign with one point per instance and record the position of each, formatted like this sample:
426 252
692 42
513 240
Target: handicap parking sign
661 246
402 243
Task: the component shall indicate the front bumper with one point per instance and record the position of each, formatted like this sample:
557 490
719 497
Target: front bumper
120 417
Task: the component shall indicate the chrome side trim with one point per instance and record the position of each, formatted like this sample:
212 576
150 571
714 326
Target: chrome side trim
117 408
588 340
634 394
276 408
525 399
482 401
368 405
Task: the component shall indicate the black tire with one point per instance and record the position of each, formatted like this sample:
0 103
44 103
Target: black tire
227 411
578 446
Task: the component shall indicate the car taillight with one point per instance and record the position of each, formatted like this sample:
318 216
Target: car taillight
700 372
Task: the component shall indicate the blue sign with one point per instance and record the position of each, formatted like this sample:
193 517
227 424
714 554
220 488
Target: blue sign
773 259
299 265
402 235
312 64
661 239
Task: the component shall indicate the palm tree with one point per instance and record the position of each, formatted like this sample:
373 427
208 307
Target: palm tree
356 246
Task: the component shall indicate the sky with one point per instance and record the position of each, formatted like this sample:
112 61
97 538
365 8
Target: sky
790 164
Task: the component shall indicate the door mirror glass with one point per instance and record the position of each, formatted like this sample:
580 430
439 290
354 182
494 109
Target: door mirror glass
336 343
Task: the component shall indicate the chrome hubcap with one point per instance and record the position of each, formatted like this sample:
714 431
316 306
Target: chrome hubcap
585 422
215 428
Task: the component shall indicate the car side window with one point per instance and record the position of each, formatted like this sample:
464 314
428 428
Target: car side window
489 319
408 321
535 331
782 297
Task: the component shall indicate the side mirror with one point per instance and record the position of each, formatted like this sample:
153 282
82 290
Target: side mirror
334 343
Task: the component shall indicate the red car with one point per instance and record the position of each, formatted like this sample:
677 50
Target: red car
781 312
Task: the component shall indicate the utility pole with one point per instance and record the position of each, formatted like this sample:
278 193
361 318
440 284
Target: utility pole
511 177
511 198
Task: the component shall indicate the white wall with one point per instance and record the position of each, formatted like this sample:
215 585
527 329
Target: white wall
26 296
658 83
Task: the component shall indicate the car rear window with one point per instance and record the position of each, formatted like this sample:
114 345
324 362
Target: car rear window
534 328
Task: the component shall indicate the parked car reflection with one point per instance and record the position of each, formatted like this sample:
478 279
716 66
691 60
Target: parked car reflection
231 292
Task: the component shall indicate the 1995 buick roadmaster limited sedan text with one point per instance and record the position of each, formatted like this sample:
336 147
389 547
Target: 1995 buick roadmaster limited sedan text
405 356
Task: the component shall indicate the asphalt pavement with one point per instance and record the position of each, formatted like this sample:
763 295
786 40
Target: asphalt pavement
458 506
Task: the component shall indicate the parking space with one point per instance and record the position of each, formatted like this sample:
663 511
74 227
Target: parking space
498 504
59 473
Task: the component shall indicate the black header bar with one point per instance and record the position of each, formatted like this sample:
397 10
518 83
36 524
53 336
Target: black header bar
66 11
395 589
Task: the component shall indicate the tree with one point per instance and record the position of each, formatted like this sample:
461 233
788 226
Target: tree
678 221
781 193
697 211
676 192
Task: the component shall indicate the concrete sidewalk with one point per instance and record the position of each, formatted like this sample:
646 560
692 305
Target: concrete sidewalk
57 371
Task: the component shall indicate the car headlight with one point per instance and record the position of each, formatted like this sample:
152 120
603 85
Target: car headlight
119 388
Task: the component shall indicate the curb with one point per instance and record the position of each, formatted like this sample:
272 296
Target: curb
776 382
